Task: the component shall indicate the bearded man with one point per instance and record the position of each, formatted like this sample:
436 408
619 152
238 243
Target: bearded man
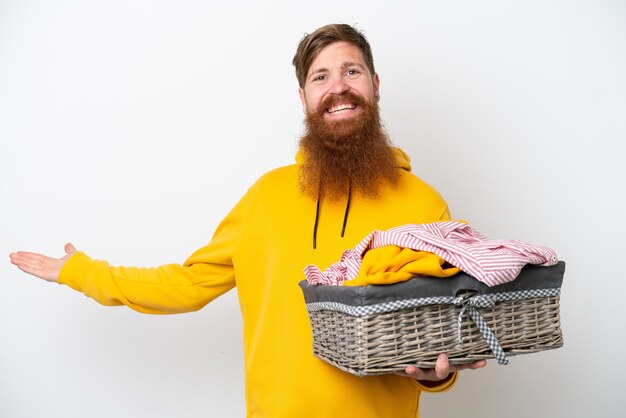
348 181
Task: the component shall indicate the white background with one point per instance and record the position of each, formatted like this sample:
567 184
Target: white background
130 128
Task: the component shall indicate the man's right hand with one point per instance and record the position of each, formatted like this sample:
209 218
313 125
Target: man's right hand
41 266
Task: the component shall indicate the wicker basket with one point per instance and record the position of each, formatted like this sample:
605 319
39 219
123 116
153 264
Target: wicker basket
382 329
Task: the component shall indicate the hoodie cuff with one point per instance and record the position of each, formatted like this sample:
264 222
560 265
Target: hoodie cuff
441 386
75 271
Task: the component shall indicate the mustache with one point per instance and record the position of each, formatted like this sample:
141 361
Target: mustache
336 99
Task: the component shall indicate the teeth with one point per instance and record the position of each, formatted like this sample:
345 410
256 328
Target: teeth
341 107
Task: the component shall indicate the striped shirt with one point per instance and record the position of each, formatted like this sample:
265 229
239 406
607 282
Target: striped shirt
492 262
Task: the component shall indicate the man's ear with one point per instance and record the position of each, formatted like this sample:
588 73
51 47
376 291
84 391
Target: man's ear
376 82
302 99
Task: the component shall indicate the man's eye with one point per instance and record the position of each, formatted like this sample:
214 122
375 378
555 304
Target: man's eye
320 78
353 72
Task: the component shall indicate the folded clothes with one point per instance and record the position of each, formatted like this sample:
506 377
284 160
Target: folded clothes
394 264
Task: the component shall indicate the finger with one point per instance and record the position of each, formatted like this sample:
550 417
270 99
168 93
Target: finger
36 260
20 254
15 258
30 269
442 367
33 266
36 264
69 248
414 372
48 274
21 257
472 366
408 371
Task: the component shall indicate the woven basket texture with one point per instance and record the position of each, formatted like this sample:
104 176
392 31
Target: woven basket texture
389 342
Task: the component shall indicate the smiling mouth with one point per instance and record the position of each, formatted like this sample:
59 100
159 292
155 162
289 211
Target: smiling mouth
344 107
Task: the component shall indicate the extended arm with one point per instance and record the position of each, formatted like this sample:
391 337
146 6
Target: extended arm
170 288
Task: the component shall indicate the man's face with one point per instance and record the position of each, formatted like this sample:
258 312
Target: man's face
345 147
338 70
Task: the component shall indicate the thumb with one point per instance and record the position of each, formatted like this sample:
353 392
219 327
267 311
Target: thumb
69 248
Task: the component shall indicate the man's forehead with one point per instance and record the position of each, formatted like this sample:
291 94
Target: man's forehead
341 53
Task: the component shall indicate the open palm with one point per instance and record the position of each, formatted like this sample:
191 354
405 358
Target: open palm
42 266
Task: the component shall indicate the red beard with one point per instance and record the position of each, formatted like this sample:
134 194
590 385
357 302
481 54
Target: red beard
352 154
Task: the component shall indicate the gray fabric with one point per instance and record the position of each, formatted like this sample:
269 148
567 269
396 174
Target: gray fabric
531 277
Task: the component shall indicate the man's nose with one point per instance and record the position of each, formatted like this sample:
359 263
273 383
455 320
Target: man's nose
339 86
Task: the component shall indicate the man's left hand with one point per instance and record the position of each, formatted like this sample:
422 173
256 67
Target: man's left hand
442 369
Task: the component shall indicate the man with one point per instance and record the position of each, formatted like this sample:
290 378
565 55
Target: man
348 181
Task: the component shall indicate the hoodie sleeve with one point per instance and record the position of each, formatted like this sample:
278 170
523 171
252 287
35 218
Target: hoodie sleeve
172 288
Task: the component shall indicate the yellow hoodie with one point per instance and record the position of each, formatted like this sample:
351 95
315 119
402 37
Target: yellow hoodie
262 247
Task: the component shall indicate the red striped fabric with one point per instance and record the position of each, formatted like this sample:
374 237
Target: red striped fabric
493 262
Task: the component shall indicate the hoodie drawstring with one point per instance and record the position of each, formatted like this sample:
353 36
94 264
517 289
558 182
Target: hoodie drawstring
345 215
317 215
